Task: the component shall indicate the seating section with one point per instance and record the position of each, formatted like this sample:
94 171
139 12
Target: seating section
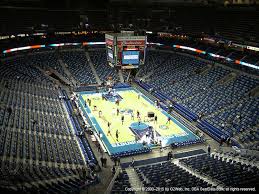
153 61
168 175
31 178
216 93
99 59
78 65
47 60
237 120
36 114
38 139
20 68
121 183
221 95
230 173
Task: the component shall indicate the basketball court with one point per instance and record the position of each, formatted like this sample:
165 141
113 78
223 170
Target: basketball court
134 132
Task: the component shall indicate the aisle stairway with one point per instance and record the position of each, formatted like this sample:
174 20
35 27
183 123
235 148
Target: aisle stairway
121 76
64 66
135 181
93 69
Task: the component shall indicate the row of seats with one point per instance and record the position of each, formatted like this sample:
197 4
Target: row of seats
131 152
229 172
168 175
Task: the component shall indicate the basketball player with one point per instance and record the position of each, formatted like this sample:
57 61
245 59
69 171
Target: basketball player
117 135
109 125
168 120
155 119
132 116
113 111
109 132
122 119
100 114
137 113
118 112
139 120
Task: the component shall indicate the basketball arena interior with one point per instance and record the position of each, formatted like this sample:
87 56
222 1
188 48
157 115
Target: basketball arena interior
129 96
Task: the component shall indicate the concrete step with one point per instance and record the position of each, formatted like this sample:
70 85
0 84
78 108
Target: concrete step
121 76
93 68
67 72
135 181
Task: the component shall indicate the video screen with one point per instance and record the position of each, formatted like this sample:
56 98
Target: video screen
130 57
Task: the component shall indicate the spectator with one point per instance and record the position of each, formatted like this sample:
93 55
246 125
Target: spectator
221 140
169 155
209 149
113 170
99 147
102 161
105 162
115 160
118 160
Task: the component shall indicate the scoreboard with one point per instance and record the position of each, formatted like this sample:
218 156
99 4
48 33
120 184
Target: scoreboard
130 57
125 51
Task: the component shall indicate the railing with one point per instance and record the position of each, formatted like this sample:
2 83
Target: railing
241 151
109 188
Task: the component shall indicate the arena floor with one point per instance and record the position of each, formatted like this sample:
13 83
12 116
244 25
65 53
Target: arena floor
133 131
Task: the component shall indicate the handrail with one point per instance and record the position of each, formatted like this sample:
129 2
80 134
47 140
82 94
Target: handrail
109 188
242 151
